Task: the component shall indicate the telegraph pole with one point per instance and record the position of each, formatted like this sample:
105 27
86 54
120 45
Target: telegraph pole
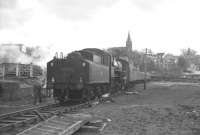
3 71
149 53
145 68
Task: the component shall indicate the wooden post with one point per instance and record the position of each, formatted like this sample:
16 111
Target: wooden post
145 69
17 70
110 73
31 70
3 71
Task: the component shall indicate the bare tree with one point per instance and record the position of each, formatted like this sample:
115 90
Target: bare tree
183 64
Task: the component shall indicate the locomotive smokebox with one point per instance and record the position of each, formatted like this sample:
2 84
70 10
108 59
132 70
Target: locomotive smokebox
67 73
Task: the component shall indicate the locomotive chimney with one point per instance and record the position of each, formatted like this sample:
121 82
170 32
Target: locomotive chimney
56 55
61 55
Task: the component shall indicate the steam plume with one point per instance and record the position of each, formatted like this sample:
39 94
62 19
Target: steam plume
18 53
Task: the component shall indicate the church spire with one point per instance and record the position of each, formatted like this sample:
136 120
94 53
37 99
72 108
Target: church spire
129 37
129 42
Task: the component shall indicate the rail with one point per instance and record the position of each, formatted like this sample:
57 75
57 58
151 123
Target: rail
173 79
17 119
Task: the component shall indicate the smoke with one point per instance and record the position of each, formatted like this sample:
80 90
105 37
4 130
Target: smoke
17 53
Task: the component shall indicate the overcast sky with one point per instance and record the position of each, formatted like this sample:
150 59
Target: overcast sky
67 25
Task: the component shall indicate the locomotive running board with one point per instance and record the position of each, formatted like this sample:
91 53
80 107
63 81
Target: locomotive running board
66 124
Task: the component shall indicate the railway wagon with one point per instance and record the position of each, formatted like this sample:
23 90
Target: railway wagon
136 76
132 74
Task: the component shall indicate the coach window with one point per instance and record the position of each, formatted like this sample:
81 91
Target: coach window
97 59
115 62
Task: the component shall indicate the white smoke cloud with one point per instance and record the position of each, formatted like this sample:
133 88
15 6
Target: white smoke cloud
11 53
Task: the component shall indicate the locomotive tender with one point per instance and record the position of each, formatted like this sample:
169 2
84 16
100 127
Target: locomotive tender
89 73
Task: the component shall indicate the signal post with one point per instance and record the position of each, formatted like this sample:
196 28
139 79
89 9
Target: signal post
147 52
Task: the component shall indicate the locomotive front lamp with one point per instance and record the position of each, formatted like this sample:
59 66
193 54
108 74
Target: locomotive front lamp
52 80
83 64
81 80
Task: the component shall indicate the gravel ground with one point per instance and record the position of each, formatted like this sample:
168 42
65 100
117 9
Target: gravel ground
163 109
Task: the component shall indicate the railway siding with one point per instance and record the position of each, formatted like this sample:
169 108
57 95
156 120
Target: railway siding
12 120
66 124
18 119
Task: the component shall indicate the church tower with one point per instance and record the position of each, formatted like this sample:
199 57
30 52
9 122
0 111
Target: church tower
129 46
129 42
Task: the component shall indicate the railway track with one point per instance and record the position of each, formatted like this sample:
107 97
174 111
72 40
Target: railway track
171 79
11 121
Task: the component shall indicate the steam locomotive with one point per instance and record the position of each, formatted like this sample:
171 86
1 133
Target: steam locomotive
90 73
